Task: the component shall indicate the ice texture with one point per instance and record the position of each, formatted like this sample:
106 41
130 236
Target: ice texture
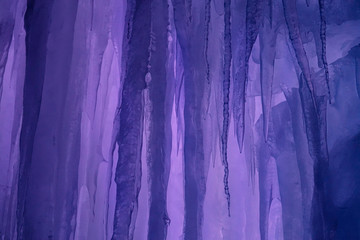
141 119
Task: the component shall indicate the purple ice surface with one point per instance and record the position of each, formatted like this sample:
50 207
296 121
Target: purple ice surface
179 119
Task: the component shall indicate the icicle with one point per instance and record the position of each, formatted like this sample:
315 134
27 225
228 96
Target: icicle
266 166
304 160
226 94
207 26
281 149
267 60
323 45
9 115
253 18
190 35
128 170
292 23
6 29
7 21
316 132
207 33
159 142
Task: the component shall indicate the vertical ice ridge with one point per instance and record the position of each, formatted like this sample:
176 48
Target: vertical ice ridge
36 24
267 37
190 35
12 79
318 45
316 131
9 116
68 138
6 33
292 22
52 183
323 45
159 144
129 139
226 96
265 186
179 94
304 160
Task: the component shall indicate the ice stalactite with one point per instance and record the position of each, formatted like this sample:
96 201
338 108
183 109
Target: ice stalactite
207 98
252 23
304 160
76 95
292 22
192 44
159 142
96 53
316 131
129 139
249 142
283 183
111 112
11 79
283 150
318 45
7 22
323 45
119 33
226 96
267 173
314 112
238 20
254 17
267 35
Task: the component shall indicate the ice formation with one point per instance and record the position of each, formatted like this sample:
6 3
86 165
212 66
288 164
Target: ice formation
179 119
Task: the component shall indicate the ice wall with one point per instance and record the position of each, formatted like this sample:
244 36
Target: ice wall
179 119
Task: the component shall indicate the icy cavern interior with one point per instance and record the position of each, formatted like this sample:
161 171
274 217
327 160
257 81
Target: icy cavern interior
180 119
